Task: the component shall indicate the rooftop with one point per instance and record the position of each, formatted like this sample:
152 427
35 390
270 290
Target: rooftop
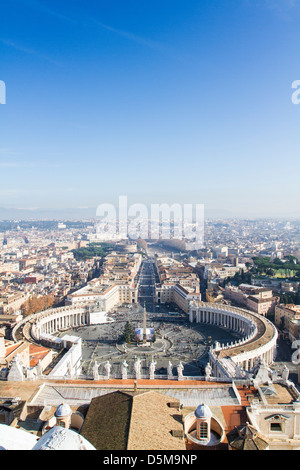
126 420
135 415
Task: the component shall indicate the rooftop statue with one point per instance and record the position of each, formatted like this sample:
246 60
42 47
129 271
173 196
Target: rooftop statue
137 368
152 369
170 369
180 371
107 368
124 369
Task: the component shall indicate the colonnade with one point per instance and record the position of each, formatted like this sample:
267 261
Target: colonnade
60 319
53 320
226 319
258 342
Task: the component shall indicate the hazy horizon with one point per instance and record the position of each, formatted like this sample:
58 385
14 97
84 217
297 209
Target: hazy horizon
91 213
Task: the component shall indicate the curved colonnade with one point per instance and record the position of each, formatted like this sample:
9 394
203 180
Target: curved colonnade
258 342
46 323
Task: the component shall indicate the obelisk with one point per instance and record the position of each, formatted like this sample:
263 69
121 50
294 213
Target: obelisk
144 325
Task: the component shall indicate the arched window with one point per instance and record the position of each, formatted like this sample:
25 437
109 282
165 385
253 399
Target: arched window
203 430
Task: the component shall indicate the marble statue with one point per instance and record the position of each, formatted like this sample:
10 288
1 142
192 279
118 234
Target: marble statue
95 371
263 374
170 370
180 371
285 373
274 375
152 369
124 369
137 368
208 370
107 368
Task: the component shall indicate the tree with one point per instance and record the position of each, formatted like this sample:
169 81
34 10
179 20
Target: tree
270 272
128 334
291 259
37 304
92 251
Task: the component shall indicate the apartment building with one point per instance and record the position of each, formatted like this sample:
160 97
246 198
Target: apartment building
11 303
177 283
287 317
257 299
116 284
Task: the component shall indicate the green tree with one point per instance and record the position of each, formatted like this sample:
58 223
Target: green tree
270 272
128 334
89 252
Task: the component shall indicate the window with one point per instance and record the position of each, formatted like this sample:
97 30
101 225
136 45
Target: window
203 431
276 427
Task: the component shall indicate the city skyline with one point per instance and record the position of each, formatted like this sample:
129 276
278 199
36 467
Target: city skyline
169 103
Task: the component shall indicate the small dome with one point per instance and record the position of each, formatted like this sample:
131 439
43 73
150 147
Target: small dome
62 411
203 411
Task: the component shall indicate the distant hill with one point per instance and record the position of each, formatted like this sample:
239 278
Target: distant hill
90 213
48 214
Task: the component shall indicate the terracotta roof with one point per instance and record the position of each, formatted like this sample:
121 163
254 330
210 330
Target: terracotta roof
37 353
133 421
154 424
106 425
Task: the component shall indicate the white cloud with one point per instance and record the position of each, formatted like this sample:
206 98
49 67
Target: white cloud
26 50
44 9
135 38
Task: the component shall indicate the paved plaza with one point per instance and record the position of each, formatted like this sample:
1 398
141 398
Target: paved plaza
177 340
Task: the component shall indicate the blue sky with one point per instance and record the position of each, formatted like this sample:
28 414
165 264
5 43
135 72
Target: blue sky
162 101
